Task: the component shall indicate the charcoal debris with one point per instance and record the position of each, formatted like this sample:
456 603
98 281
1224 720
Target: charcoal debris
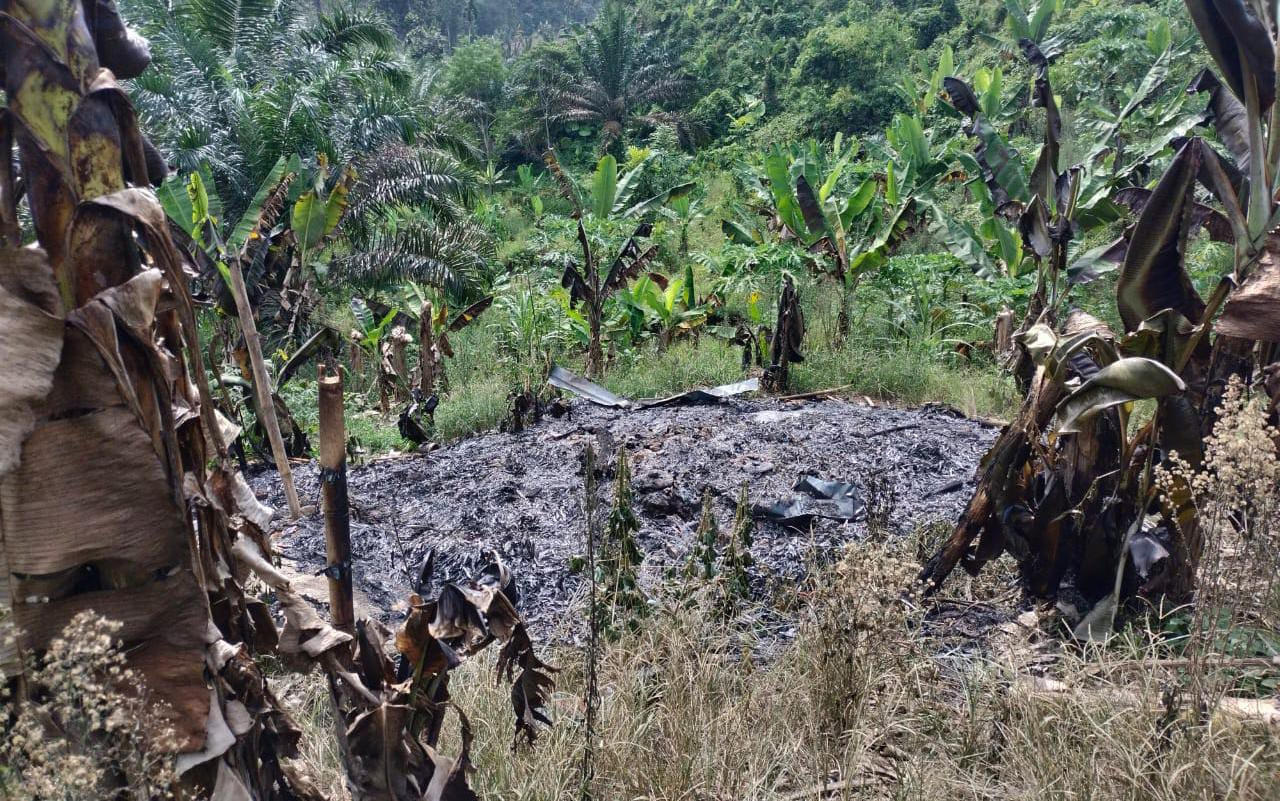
521 494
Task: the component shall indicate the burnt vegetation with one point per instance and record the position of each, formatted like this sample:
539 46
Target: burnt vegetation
428 401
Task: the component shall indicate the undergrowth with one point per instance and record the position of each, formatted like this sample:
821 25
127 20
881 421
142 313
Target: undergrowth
83 727
879 359
860 704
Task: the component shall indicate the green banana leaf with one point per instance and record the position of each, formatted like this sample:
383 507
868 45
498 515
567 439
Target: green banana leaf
1124 381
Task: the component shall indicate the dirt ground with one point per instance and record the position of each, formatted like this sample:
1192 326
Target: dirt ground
522 493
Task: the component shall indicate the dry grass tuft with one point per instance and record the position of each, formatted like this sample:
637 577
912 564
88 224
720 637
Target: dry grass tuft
84 729
859 704
306 695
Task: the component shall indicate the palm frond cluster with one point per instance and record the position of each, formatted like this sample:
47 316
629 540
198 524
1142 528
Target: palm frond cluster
241 83
409 221
626 80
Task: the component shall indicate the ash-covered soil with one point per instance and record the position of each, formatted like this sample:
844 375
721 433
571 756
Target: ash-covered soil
521 494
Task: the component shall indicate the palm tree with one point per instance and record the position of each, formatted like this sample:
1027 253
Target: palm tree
408 220
625 80
240 83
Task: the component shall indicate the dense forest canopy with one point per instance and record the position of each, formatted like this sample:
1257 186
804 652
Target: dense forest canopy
504 75
457 140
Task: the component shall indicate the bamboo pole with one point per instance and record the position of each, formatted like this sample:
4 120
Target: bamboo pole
261 389
337 523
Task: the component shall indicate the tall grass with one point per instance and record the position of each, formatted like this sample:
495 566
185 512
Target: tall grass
860 704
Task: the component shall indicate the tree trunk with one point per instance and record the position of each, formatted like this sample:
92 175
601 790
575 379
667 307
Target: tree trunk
997 480
1002 340
842 319
108 502
595 353
262 388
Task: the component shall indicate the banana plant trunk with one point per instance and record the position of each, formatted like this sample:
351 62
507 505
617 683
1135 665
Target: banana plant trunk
595 353
595 317
427 351
108 503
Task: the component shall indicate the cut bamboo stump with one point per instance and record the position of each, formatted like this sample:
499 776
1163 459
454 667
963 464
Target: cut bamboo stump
337 521
261 389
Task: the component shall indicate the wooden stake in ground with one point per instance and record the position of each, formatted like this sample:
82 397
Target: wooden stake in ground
427 351
337 522
261 389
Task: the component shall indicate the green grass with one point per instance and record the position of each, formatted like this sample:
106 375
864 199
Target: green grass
900 350
478 401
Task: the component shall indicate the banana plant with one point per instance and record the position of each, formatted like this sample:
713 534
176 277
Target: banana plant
820 218
316 214
529 186
491 177
1030 22
607 198
370 330
675 306
1087 517
237 251
434 327
859 229
314 219
684 211
109 436
192 203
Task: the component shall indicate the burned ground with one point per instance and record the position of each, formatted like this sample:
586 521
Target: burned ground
522 493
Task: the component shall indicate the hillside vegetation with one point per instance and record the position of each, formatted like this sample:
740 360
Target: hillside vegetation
240 238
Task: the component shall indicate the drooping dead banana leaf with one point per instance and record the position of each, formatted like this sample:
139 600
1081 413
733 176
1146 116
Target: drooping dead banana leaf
383 763
814 219
135 568
1092 264
457 618
1214 222
1044 176
961 96
629 264
30 344
469 314
572 280
474 614
529 695
108 506
531 688
1153 277
1230 119
449 781
1235 37
1253 310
